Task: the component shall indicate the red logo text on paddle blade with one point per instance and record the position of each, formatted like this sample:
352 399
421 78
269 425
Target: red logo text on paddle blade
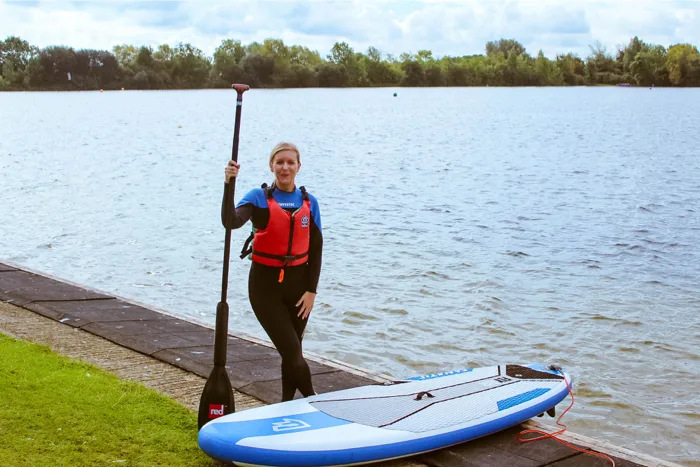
216 410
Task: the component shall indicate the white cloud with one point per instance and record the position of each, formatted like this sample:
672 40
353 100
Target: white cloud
447 27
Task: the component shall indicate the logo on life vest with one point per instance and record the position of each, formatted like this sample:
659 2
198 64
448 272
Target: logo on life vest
305 221
216 410
288 424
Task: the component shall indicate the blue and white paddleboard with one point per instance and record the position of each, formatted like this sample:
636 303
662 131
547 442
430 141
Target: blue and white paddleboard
380 422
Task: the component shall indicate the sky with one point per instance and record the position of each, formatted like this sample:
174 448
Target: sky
446 27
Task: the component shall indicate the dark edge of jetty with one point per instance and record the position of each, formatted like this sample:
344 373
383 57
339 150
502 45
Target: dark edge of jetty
254 367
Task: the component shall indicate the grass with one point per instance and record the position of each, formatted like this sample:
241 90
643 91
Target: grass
55 411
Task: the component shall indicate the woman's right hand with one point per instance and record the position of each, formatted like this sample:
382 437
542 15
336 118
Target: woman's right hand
232 170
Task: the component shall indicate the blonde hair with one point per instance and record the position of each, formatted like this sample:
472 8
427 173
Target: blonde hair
284 146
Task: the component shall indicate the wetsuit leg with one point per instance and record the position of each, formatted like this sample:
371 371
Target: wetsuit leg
276 311
295 283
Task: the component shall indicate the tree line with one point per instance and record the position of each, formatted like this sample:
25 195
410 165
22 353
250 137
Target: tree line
273 64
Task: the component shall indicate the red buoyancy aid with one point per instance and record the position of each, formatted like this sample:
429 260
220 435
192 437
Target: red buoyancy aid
285 240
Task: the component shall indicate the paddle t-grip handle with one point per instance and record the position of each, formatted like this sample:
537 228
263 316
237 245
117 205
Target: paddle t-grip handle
240 88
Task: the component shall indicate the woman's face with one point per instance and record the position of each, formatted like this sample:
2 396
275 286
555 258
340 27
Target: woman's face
285 167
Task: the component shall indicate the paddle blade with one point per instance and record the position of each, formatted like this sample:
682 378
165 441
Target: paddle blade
217 397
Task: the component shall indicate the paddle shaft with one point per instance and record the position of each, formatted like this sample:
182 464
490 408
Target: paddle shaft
229 190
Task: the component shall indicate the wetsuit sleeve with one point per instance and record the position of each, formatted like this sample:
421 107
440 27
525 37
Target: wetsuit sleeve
315 212
315 255
315 245
234 219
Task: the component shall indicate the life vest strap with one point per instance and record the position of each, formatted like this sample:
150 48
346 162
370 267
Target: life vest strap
247 249
268 190
285 258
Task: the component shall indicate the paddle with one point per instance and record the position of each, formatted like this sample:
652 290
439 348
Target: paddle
217 396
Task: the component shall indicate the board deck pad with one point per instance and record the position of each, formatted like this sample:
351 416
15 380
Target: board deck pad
451 402
385 421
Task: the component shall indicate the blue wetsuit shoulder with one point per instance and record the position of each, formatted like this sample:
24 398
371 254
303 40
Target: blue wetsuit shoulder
315 211
256 197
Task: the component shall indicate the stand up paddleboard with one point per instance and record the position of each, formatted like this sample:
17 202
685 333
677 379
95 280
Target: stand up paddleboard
380 422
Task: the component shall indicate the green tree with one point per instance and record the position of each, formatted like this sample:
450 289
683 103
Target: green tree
424 56
299 76
34 73
683 65
164 54
332 75
602 67
144 58
572 68
9 75
373 54
18 51
88 64
228 58
58 64
434 75
162 66
304 57
342 54
254 48
258 70
15 55
505 47
126 54
649 66
630 52
379 73
191 67
547 72
278 52
414 74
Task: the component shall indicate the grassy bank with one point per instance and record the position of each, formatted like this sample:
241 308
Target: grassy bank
61 412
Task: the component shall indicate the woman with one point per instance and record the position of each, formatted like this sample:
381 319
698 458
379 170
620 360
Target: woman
286 260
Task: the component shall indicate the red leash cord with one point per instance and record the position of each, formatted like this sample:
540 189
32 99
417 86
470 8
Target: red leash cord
546 435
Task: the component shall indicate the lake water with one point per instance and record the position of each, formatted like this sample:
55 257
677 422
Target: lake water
462 227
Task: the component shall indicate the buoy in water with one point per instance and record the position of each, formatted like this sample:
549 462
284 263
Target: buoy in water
395 94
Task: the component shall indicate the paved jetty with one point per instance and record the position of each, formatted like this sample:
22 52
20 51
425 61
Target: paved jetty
175 356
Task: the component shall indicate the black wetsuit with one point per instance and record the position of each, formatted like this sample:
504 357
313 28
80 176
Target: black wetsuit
274 303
